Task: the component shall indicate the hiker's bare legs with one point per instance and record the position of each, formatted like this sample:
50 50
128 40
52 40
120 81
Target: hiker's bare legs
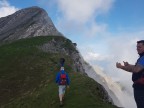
61 97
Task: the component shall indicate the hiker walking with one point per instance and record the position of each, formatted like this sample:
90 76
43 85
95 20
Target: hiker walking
137 71
63 81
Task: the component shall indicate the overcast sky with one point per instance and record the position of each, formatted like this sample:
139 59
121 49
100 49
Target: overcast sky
105 31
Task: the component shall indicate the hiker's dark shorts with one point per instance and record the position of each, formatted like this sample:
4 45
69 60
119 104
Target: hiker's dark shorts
139 98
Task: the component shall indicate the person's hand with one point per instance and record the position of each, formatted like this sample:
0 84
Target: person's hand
118 65
68 87
125 63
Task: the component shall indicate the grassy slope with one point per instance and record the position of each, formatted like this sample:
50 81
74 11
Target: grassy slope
27 79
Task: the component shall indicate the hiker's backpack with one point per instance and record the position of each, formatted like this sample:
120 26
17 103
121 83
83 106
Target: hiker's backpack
63 79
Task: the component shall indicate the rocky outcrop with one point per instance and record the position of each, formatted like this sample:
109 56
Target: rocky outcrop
29 22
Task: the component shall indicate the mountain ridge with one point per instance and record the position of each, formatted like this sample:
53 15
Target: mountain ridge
28 22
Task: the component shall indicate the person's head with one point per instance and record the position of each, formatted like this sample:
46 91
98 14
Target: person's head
140 47
62 68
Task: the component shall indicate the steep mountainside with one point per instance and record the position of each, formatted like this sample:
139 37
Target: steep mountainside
27 76
29 22
29 59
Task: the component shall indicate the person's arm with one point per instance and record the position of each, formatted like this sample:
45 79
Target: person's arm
130 68
68 80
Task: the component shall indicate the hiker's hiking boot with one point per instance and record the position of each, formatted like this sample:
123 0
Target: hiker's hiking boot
61 103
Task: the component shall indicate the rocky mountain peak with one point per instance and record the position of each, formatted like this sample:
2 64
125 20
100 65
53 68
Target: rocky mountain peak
28 22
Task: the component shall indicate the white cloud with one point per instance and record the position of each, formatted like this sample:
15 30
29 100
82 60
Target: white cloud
91 56
83 10
111 49
96 29
123 48
79 16
6 9
118 48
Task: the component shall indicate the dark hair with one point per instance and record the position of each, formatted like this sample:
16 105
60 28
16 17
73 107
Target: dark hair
141 41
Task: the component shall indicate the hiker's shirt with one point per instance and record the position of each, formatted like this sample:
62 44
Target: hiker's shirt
138 78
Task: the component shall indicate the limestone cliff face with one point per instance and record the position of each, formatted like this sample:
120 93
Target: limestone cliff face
29 22
58 46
